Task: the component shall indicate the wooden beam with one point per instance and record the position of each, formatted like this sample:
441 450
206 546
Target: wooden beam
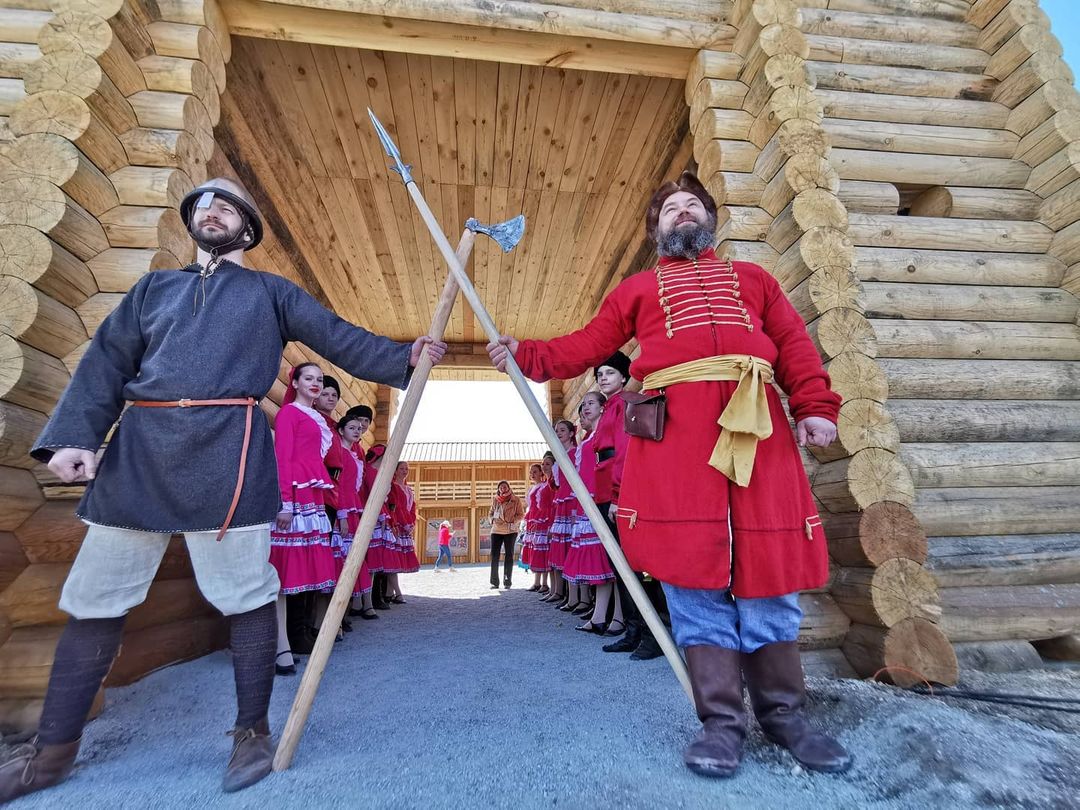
541 18
341 28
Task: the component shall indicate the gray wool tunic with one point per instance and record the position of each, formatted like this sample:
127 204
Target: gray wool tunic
174 469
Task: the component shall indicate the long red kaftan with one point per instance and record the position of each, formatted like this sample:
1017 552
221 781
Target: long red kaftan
673 507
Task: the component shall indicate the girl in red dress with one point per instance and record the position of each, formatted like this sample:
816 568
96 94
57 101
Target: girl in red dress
586 562
382 553
562 521
300 536
537 522
350 429
403 502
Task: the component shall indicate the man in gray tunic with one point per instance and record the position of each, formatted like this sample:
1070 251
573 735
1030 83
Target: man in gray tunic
193 351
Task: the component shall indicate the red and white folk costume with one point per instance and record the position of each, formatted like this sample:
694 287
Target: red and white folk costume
382 552
612 442
538 516
403 512
348 512
302 554
563 515
673 506
586 561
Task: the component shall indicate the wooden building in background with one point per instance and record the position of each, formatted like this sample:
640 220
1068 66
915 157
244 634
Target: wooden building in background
456 481
908 169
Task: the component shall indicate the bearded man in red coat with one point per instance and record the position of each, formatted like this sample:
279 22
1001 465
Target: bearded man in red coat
719 510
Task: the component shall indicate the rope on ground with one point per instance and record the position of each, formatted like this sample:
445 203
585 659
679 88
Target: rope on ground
1054 704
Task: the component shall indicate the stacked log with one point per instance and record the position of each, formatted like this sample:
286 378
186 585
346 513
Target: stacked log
967 125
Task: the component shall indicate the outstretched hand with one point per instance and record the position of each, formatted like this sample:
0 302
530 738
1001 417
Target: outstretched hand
500 351
72 464
435 349
816 431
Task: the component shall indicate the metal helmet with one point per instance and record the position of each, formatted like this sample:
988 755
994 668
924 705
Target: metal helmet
202 196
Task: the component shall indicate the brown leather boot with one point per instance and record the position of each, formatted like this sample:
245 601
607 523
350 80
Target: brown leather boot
31 766
718 695
252 756
774 679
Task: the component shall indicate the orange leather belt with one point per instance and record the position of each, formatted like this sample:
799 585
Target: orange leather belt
249 403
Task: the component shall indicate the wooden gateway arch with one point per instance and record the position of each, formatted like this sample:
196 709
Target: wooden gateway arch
908 169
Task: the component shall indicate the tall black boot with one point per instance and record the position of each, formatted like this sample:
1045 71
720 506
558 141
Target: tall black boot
718 696
298 624
83 657
774 679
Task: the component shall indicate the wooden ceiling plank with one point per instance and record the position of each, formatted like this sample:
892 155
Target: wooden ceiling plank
580 128
278 81
566 123
442 86
557 268
354 236
399 91
509 79
636 87
341 110
312 100
350 64
487 100
505 204
528 104
420 269
465 117
553 225
557 305
512 286
467 201
552 83
603 122
383 260
415 311
424 114
651 117
482 249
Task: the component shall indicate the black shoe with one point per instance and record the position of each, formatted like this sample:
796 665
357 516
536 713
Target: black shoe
494 586
567 607
647 650
629 642
346 625
506 585
583 608
381 606
288 669
611 631
368 614
355 612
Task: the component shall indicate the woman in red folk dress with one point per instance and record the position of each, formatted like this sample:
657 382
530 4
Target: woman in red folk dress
300 537
383 555
586 561
349 429
404 504
719 510
562 521
546 514
537 521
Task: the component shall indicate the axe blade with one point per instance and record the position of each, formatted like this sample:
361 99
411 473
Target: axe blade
506 234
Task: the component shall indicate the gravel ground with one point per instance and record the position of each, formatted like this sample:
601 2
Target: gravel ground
467 697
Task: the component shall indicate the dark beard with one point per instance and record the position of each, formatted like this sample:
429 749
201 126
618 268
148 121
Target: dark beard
212 239
688 243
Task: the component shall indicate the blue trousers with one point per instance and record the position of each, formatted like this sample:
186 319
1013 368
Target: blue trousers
715 618
444 551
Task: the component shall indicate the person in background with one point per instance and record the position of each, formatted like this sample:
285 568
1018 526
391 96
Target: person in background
506 514
444 546
537 520
403 503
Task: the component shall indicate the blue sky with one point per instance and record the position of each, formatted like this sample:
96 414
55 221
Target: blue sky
1065 22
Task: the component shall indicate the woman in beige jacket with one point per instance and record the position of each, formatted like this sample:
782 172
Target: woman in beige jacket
506 514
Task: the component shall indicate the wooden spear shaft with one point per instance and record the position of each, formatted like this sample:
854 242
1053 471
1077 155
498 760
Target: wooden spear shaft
637 593
313 673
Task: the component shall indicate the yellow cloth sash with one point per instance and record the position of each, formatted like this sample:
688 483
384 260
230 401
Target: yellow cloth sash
745 420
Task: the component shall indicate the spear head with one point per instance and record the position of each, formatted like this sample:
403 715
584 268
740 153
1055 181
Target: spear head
399 166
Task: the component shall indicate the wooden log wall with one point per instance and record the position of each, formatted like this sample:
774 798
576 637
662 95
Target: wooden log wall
960 122
107 110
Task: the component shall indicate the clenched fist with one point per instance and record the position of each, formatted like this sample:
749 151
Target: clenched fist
816 431
71 464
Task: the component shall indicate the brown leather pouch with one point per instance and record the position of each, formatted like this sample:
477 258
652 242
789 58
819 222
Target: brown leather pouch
644 414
